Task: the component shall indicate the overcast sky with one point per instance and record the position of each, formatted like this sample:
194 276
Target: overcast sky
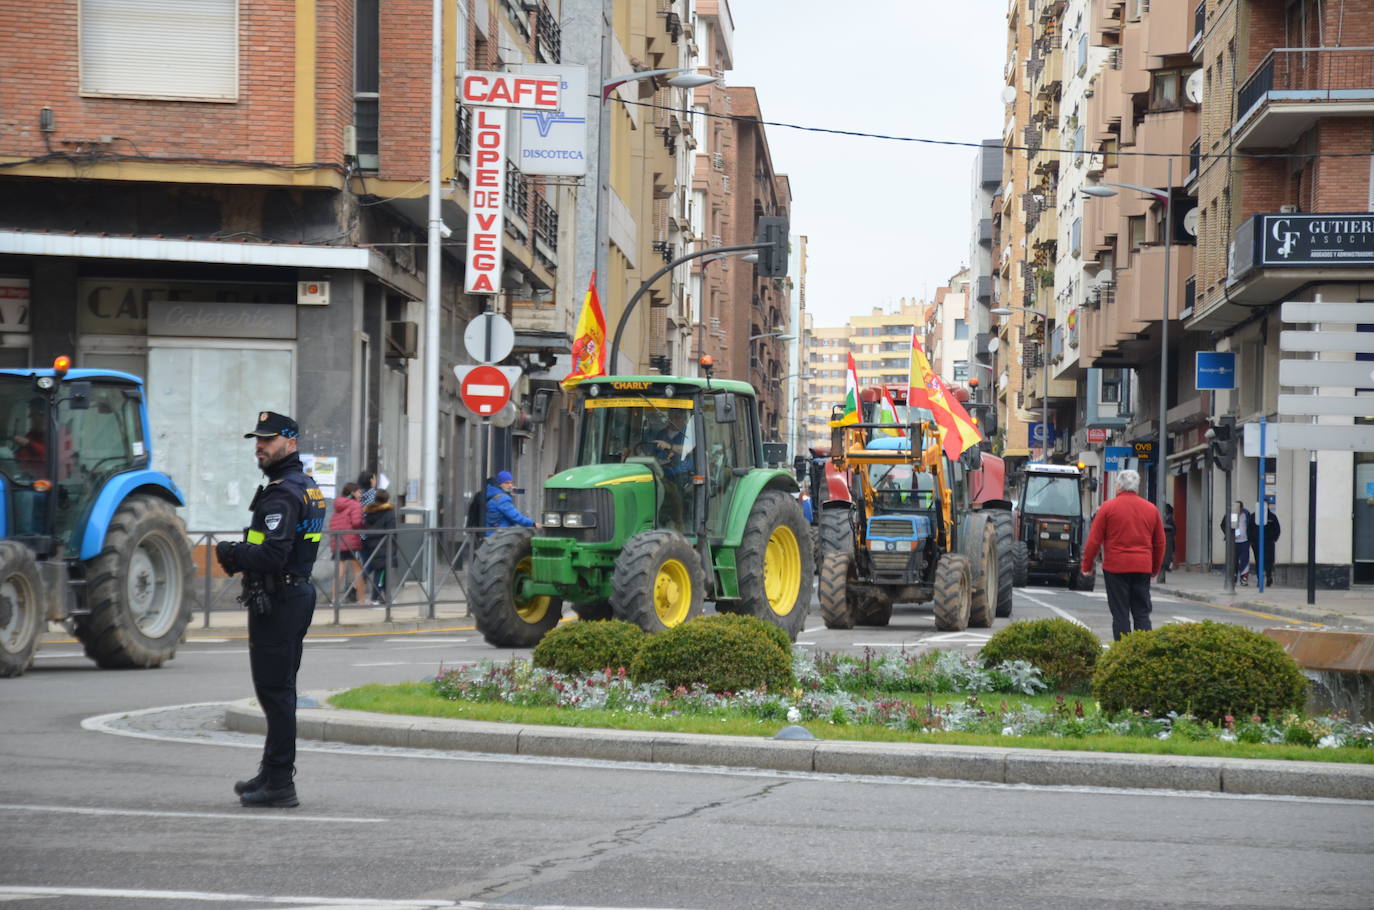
884 219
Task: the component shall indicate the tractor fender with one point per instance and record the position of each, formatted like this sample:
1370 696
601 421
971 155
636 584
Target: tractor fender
747 493
836 485
117 489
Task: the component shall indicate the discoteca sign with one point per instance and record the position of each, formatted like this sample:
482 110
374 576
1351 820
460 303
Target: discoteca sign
490 95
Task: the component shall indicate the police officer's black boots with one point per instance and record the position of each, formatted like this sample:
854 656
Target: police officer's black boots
277 790
253 783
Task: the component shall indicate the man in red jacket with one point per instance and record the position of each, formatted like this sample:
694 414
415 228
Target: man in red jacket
1130 535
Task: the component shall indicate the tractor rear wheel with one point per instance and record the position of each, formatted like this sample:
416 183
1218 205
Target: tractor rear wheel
658 582
138 588
22 616
953 590
775 563
1020 564
1006 570
982 550
832 590
505 615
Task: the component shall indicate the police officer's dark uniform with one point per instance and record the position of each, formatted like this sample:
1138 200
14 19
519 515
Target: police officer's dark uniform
276 557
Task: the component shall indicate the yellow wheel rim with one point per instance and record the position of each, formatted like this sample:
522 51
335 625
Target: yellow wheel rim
782 570
531 610
672 593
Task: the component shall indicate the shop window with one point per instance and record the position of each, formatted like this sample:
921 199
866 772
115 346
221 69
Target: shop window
160 49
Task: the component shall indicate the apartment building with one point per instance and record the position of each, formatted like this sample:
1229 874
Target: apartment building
987 179
949 337
1281 172
827 358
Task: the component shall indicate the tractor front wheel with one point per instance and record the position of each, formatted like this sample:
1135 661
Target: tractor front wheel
953 592
983 551
138 588
832 590
21 608
506 615
775 563
1006 557
658 581
1020 564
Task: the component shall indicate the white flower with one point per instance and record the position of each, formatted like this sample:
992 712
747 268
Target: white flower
793 715
1330 741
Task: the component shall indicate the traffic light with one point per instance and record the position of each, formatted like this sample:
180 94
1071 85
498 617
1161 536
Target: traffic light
1221 443
772 259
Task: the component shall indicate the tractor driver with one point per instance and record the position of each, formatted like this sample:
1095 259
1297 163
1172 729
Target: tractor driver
31 447
673 449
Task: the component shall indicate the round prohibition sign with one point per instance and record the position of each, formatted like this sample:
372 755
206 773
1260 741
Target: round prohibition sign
485 390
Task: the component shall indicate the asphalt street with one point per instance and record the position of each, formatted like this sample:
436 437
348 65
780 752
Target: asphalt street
116 795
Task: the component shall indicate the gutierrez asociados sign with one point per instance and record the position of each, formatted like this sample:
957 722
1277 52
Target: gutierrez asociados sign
1316 239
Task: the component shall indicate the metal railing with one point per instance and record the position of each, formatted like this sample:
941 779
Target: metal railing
1320 73
423 568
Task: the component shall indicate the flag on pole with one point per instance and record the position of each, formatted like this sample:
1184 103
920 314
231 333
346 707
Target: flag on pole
927 390
589 342
887 413
851 397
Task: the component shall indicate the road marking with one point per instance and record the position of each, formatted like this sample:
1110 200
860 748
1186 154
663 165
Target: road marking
56 655
147 813
1053 609
959 637
222 897
398 663
813 630
1098 595
428 641
884 644
1182 619
323 641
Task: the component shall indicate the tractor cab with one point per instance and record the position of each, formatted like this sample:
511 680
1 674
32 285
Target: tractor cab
63 434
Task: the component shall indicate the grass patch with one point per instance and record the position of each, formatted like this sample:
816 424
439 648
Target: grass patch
419 699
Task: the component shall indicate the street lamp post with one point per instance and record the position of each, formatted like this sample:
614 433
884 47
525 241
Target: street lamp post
683 77
1165 198
1044 371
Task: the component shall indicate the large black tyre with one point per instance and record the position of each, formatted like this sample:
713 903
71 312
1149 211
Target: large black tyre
139 588
979 544
835 532
591 612
953 588
499 569
22 615
658 581
1006 571
1020 564
1080 582
775 564
832 590
875 609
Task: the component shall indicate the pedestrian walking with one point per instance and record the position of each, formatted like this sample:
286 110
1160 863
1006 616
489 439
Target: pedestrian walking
1272 530
1237 524
501 510
1130 534
348 547
1169 531
378 548
276 558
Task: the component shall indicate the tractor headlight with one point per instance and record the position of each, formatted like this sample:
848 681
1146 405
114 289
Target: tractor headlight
45 382
552 519
1044 535
579 519
669 391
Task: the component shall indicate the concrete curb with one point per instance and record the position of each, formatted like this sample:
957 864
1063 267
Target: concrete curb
1264 606
917 760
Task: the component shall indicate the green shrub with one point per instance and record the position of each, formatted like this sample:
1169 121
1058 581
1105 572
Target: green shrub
589 647
1205 669
722 652
1064 651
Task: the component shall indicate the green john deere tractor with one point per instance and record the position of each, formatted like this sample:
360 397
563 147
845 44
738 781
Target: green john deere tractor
669 505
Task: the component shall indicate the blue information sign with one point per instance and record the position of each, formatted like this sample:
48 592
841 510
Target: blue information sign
1215 370
1118 451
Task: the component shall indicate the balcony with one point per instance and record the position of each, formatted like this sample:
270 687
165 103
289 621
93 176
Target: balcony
1199 25
1292 88
985 231
986 286
1168 29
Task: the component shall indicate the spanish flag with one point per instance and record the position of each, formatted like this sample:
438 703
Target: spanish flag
851 397
927 390
589 344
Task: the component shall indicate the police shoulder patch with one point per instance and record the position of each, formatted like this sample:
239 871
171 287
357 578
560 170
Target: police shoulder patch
272 521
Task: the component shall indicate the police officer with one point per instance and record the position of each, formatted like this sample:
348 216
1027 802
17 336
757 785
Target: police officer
276 558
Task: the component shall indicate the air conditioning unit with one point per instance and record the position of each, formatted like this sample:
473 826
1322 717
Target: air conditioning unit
402 340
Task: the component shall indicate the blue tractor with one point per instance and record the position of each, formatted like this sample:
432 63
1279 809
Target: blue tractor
89 535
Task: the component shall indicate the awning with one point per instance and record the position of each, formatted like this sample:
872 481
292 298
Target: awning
97 246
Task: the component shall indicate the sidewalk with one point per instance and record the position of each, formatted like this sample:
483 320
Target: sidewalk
1351 609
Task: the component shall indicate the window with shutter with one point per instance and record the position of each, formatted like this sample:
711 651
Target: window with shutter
172 49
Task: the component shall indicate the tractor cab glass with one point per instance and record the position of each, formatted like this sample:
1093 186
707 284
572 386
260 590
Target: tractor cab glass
652 430
1052 494
899 489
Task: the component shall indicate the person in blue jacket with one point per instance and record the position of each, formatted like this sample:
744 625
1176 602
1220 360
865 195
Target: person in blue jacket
501 510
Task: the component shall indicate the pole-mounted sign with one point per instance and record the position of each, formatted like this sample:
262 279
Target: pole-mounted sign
490 95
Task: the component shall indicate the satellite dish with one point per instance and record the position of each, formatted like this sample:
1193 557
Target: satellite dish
1190 222
1193 87
1104 276
993 345
1009 94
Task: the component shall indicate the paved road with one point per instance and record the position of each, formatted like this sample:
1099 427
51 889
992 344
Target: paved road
95 820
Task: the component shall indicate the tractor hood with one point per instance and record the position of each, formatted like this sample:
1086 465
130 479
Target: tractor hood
599 475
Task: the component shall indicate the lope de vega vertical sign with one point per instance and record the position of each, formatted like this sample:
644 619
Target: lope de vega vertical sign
490 95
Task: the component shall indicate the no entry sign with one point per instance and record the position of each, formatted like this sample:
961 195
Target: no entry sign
485 390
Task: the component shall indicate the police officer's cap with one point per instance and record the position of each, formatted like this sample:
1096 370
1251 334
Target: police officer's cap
270 423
